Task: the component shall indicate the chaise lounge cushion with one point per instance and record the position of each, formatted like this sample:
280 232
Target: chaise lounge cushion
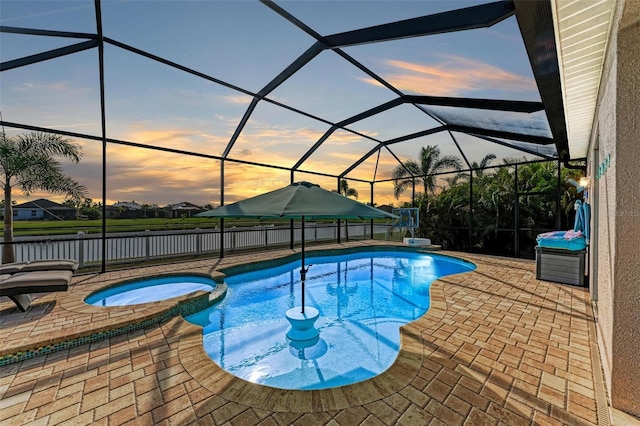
39 265
18 287
35 282
50 265
12 268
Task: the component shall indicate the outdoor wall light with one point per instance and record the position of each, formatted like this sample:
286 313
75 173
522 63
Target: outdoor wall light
584 182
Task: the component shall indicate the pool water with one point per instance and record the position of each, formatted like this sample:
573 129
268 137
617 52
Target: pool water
150 290
363 299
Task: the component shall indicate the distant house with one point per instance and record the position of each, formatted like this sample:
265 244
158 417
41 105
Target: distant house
125 210
184 209
127 205
43 209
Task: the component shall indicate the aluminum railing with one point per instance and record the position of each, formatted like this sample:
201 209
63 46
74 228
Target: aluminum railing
131 247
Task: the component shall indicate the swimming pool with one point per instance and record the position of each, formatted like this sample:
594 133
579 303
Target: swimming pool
150 290
363 299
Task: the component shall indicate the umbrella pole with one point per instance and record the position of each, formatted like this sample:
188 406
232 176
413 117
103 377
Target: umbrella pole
303 273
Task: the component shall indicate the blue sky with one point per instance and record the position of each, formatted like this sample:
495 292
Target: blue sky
246 44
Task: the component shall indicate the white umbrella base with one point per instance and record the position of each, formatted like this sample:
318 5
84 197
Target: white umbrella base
302 324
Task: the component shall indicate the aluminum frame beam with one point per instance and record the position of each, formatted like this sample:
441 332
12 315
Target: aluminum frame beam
50 54
535 19
489 104
50 33
468 18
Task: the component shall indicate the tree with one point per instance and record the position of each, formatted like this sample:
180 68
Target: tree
346 191
475 166
2 207
28 162
496 197
448 222
90 209
429 163
479 168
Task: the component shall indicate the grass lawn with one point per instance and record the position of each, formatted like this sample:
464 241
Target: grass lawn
41 227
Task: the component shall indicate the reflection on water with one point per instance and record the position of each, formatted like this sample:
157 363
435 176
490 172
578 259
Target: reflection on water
308 349
363 299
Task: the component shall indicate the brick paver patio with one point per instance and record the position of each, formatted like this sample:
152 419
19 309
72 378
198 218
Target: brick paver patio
497 346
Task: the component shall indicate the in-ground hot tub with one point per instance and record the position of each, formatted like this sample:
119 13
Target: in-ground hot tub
152 289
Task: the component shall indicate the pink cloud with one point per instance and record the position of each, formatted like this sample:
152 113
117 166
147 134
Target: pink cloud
453 76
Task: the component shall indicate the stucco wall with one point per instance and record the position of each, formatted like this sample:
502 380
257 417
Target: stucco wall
618 211
606 226
625 391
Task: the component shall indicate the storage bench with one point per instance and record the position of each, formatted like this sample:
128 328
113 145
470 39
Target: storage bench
561 266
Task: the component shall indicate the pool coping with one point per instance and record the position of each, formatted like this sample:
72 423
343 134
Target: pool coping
134 317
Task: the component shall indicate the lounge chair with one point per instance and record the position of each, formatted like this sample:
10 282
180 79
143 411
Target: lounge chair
19 287
39 265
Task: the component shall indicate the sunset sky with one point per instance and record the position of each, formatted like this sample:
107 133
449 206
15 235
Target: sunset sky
246 44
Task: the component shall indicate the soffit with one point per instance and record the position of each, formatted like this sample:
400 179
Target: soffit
582 32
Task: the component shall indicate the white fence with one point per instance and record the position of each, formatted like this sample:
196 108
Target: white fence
129 247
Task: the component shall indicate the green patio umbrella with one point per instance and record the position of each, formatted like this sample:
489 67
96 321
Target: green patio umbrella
300 201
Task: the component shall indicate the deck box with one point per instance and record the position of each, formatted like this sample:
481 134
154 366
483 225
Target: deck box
561 266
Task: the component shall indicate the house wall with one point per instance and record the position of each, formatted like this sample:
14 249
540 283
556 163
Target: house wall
26 214
615 198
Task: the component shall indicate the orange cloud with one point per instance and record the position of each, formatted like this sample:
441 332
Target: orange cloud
454 76
280 136
175 138
275 145
149 176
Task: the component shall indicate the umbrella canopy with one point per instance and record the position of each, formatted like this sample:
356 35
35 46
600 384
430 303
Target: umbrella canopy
298 200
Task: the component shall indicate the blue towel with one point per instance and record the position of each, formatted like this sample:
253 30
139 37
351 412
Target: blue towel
583 218
579 222
586 215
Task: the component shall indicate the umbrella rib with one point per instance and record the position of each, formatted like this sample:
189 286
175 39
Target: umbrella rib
293 193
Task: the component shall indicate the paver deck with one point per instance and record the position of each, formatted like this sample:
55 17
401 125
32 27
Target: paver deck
497 346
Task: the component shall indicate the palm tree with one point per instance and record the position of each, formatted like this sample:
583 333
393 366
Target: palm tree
496 195
426 167
479 168
451 181
346 191
28 162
